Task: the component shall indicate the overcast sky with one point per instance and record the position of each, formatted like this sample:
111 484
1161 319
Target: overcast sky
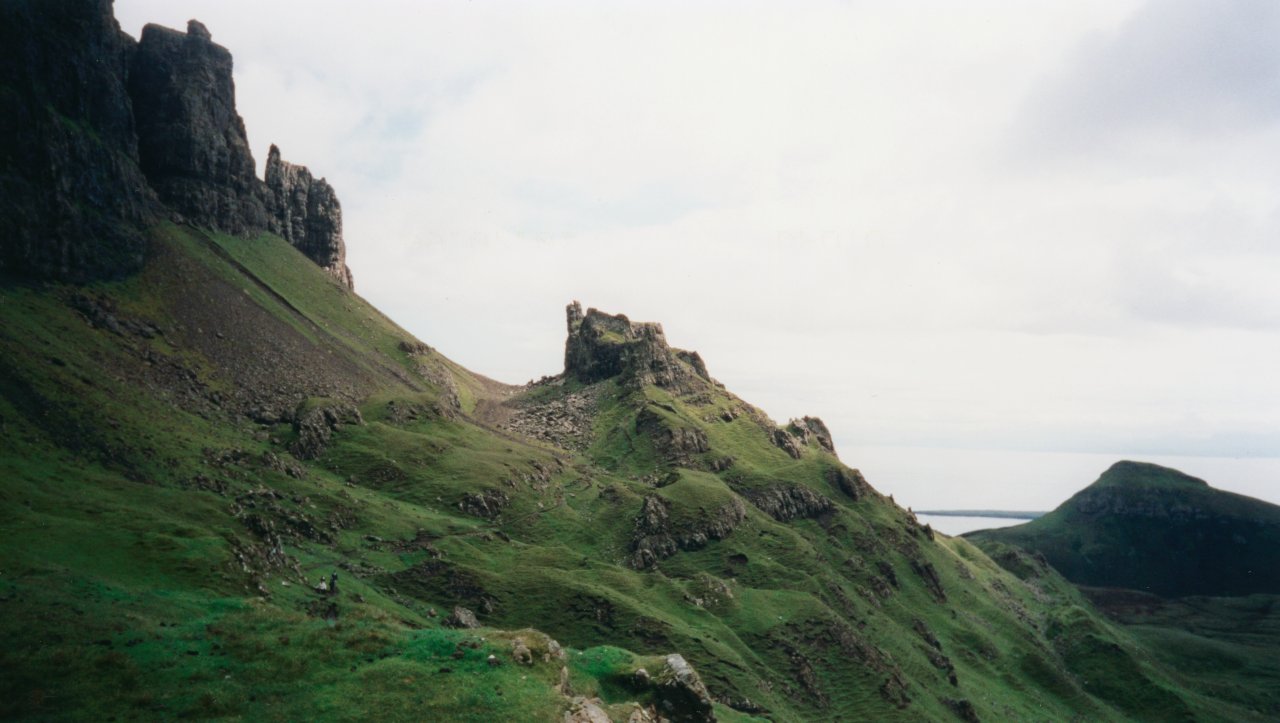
1037 226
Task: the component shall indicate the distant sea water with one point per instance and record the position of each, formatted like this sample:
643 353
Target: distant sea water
930 478
958 525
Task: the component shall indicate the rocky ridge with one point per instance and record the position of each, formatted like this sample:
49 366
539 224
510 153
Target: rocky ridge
603 346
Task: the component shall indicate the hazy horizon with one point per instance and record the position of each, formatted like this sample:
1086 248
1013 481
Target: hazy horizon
1038 228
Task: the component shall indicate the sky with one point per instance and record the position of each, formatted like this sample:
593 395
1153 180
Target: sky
1042 230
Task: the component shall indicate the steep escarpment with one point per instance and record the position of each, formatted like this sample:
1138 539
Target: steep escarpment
191 141
73 200
102 136
306 213
1146 527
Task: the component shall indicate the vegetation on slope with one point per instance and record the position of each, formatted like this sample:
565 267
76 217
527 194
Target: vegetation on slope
1145 527
189 452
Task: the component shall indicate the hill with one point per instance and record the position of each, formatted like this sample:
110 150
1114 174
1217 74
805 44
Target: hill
231 488
1145 527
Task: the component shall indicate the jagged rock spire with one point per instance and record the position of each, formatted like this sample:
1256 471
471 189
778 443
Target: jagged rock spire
306 213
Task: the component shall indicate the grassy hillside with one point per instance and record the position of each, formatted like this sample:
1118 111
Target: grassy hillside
187 453
1154 529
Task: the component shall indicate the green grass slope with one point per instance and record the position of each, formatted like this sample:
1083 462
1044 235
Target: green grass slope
1150 528
188 452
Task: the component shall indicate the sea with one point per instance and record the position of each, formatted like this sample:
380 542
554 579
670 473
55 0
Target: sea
960 524
929 478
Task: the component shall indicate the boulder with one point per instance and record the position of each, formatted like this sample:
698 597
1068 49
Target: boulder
680 692
586 710
461 618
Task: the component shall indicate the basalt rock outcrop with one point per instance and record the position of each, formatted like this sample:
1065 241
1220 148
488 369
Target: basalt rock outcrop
799 433
657 536
101 134
676 444
306 213
191 141
784 502
73 201
602 346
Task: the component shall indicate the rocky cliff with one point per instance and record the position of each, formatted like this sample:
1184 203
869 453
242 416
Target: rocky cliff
191 142
73 200
306 213
101 134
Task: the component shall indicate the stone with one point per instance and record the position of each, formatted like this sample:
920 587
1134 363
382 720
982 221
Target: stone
192 144
103 136
586 710
462 618
789 502
681 694
818 429
487 504
656 537
602 346
677 444
316 425
305 212
520 652
73 201
784 440
849 481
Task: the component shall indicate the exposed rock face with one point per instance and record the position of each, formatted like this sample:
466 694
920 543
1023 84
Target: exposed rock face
191 141
100 133
816 429
800 433
586 710
849 481
72 199
789 502
602 346
657 537
487 504
677 444
316 426
461 618
682 694
306 213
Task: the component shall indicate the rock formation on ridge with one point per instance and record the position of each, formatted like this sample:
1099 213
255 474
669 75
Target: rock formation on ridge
306 213
601 346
